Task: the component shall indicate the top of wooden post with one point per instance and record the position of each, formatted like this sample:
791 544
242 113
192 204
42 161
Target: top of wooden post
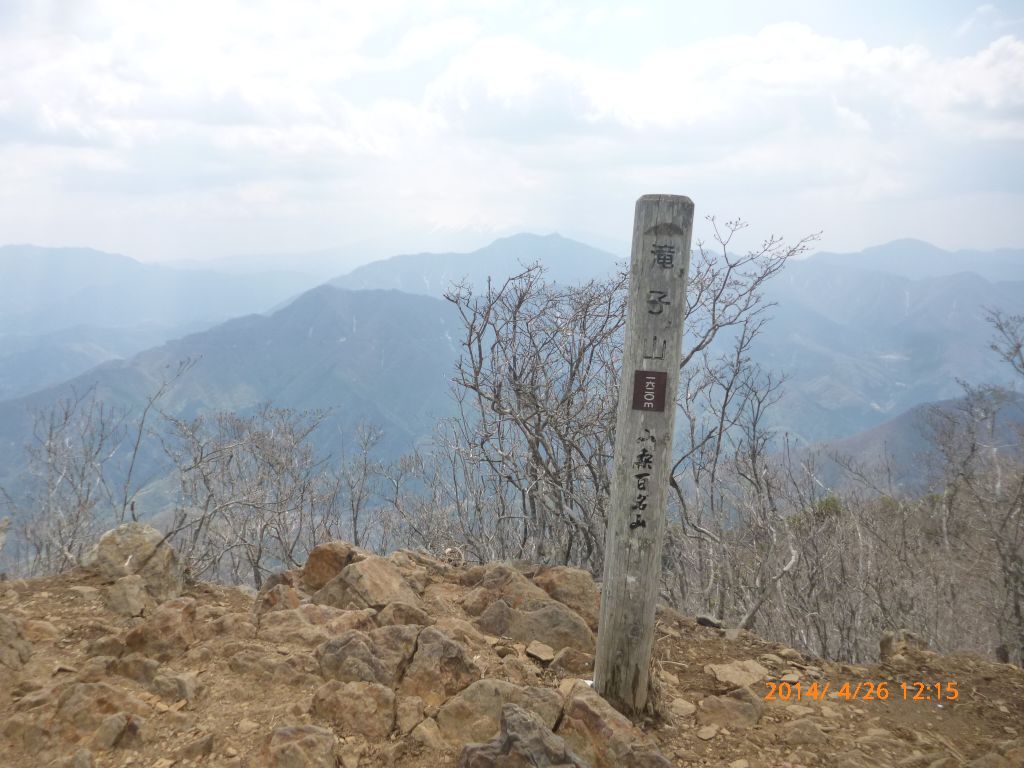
677 199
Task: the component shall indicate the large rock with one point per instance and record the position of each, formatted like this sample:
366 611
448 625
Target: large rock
571 662
803 731
120 730
26 732
899 643
474 715
553 624
408 713
524 740
400 613
168 633
364 709
462 631
328 560
312 624
415 570
572 587
604 737
15 650
240 626
440 668
280 597
502 582
370 583
128 596
273 667
738 674
177 687
86 705
303 746
135 666
135 548
428 735
379 656
738 709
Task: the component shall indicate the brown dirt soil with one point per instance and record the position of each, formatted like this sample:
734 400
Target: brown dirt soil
239 707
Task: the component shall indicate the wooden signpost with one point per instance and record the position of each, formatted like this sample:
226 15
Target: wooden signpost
662 229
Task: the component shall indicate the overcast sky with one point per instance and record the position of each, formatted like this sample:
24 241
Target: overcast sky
171 130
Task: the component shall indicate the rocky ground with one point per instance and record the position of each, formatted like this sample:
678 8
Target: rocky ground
358 660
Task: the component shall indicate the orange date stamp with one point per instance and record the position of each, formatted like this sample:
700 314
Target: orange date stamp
864 690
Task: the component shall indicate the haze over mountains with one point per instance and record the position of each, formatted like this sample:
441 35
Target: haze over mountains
65 310
861 337
566 262
861 346
378 357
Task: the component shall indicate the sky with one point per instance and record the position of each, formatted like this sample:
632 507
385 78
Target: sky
203 129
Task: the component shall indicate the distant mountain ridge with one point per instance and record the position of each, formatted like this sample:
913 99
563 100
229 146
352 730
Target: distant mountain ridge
917 259
379 357
32 362
566 261
65 310
859 345
859 340
902 444
49 289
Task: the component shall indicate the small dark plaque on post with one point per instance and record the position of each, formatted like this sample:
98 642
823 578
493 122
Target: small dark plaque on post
649 390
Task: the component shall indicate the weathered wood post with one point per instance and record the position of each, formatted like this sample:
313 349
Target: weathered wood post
645 420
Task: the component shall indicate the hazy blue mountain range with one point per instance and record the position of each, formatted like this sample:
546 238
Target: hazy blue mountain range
859 345
65 310
320 265
861 336
917 259
567 261
32 362
902 444
380 357
49 289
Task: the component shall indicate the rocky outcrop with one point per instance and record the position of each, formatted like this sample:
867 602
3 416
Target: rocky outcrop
475 713
574 588
312 624
328 560
602 736
552 624
425 664
440 668
524 740
379 656
738 673
357 708
370 583
128 596
501 582
302 746
15 650
168 633
740 708
135 548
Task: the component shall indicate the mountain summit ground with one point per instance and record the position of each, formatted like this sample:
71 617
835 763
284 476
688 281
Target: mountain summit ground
357 660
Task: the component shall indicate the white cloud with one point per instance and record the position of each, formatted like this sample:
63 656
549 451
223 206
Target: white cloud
237 112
